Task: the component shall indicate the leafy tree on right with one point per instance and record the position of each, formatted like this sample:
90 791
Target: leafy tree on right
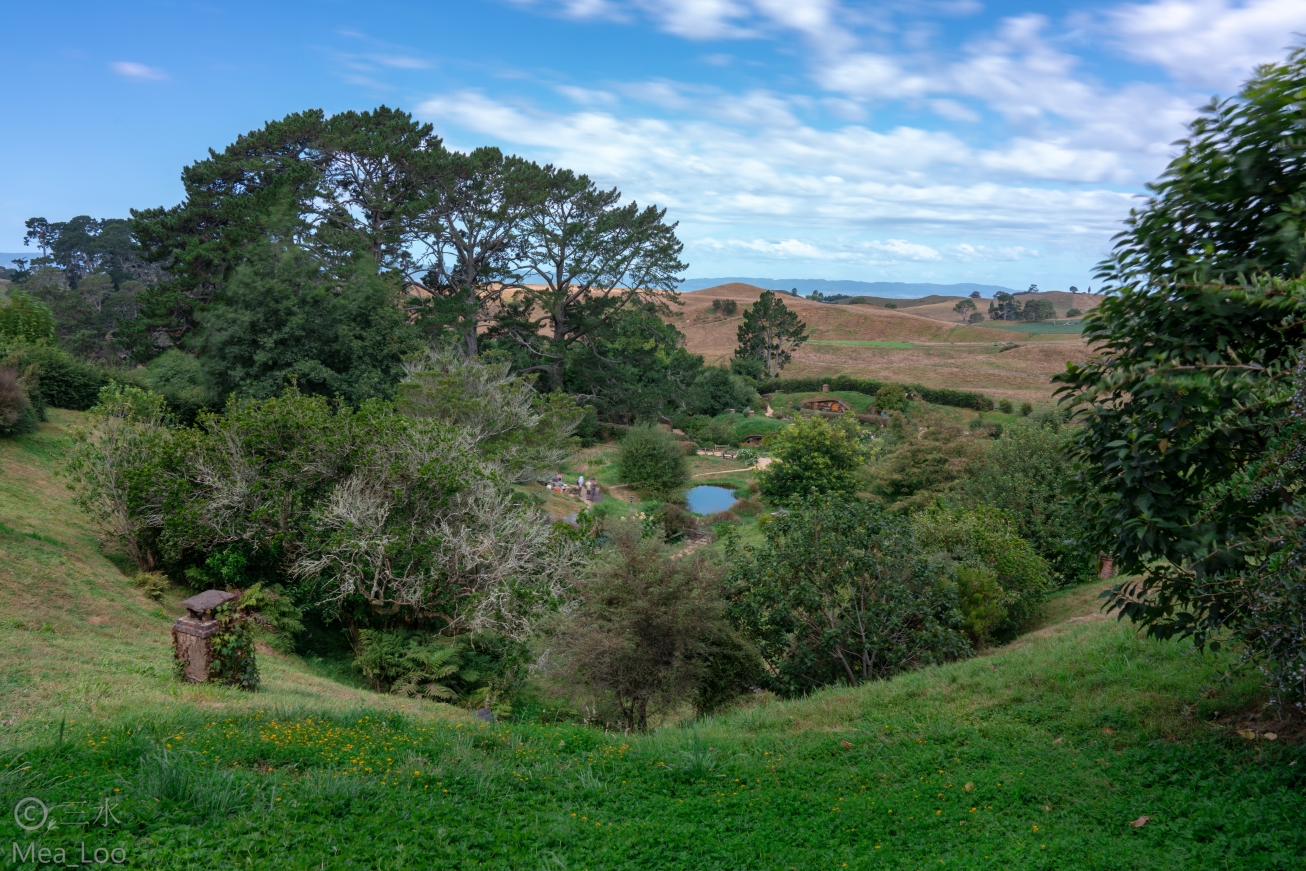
1192 437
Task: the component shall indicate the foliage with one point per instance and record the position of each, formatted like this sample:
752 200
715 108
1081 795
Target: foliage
891 397
350 508
938 396
593 258
1194 386
716 391
770 332
1073 312
748 368
838 593
1005 406
408 663
116 466
633 369
25 320
643 626
1038 310
815 456
512 426
1232 202
985 539
912 469
282 318
965 308
176 376
56 378
725 306
708 431
1029 474
652 461
234 661
17 417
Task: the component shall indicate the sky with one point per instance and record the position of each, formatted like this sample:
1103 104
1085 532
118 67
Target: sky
926 141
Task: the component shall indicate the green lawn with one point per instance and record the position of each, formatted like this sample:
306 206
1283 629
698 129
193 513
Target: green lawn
861 343
1037 327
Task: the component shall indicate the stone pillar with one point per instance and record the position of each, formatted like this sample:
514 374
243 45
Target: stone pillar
1105 567
192 635
825 388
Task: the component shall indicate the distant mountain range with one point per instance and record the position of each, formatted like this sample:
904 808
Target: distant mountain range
893 289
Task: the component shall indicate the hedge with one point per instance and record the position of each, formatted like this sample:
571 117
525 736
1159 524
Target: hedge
936 395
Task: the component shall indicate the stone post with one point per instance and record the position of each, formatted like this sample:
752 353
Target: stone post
825 388
192 635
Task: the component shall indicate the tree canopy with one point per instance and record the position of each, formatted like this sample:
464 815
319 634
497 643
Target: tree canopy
770 333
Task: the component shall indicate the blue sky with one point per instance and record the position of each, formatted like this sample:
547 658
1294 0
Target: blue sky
903 141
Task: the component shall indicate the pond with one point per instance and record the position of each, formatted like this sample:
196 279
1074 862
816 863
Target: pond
705 499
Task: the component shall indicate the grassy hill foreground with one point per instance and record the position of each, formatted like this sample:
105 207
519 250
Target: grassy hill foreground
1081 745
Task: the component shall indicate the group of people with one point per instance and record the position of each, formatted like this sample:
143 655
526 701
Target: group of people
589 491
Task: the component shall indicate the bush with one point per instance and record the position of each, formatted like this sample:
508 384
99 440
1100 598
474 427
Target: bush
1005 406
26 320
1026 409
709 431
838 593
816 456
178 378
652 461
750 369
1000 563
56 378
715 391
1073 312
1028 474
891 397
648 632
17 416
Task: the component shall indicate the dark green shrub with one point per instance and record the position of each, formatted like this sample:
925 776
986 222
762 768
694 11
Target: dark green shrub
589 430
730 667
839 593
1029 475
1005 406
1026 409
56 378
1073 312
715 391
985 541
652 461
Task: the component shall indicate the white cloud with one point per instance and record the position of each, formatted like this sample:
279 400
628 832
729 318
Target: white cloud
140 72
1209 43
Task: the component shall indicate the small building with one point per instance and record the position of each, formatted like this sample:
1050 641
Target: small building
827 404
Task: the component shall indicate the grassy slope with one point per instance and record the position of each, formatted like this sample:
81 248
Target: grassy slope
78 638
1036 755
894 345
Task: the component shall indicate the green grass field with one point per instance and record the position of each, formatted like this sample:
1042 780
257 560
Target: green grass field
1065 328
856 343
1035 755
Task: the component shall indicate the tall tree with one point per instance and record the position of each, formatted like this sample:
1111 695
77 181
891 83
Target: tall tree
471 214
770 333
340 188
964 308
592 258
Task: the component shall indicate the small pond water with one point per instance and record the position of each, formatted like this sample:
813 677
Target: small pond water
705 499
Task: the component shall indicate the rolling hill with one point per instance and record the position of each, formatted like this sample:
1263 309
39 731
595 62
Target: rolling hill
922 344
